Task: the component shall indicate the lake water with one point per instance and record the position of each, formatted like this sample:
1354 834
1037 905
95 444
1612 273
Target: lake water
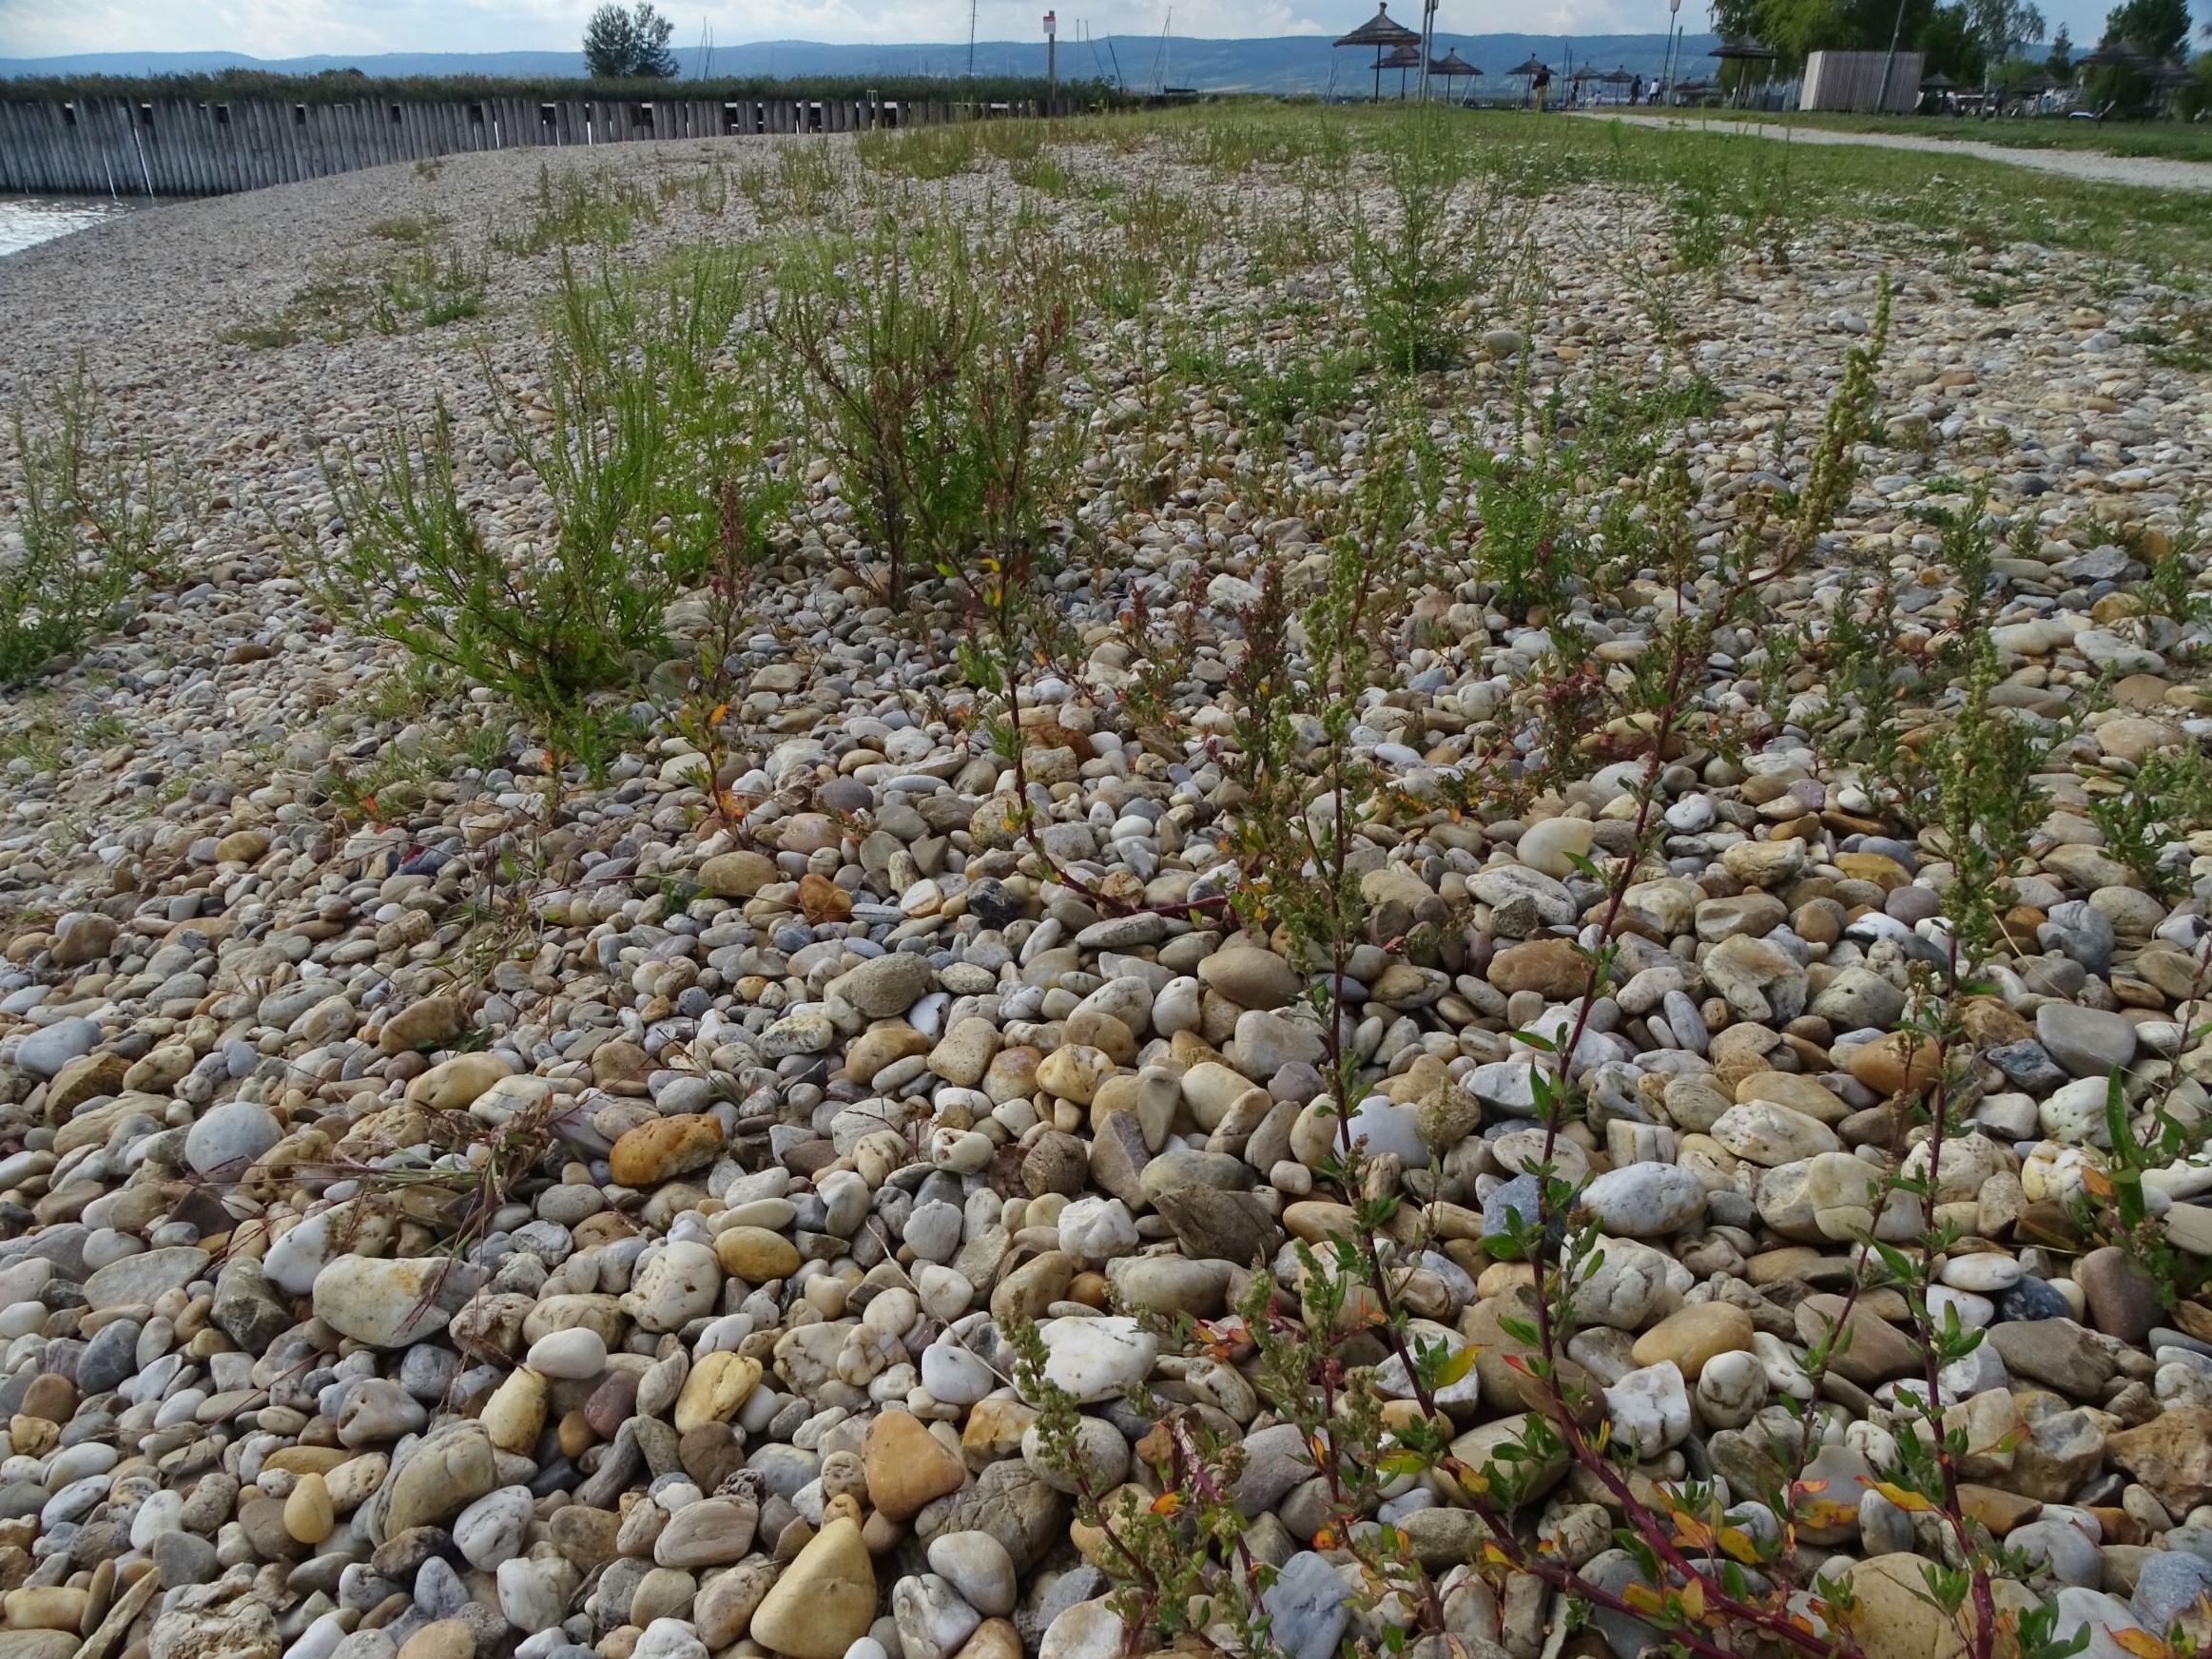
26 220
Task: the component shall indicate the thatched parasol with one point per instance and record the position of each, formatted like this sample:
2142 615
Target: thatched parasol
1451 66
1406 57
1743 49
1386 35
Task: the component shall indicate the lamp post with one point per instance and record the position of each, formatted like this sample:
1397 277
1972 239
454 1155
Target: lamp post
1889 63
1051 40
1674 12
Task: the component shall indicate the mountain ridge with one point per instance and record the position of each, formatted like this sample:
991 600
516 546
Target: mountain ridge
1262 63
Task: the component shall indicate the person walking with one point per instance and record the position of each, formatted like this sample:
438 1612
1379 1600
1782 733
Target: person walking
1635 91
1538 85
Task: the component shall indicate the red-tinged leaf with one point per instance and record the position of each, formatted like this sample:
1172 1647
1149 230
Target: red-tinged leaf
1826 1514
1168 1503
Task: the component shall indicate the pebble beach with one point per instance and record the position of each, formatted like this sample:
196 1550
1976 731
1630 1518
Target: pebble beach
821 1101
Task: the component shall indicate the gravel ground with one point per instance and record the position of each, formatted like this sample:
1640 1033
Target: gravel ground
2149 171
831 1100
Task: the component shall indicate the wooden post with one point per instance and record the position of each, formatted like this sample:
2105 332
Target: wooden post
184 130
15 148
245 120
160 158
267 140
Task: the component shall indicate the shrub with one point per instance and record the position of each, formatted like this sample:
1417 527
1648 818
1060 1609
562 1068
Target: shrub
1433 255
877 333
627 456
90 519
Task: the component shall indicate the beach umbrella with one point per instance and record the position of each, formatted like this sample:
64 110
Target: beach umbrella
1406 57
1451 66
1939 82
1386 35
1617 76
2115 54
1743 49
1529 70
2166 78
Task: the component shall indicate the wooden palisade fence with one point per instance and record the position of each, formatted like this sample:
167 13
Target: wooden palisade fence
189 146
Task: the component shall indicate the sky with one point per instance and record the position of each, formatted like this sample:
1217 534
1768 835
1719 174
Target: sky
273 29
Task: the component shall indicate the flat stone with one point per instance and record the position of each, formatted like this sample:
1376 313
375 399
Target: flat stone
142 1278
1870 1352
2087 1042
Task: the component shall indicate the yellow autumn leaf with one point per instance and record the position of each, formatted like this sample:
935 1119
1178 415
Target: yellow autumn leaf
1740 1544
1904 1498
2142 1644
1455 1367
1641 1599
1693 1598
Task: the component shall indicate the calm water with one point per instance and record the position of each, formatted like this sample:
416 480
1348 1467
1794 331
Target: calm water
26 220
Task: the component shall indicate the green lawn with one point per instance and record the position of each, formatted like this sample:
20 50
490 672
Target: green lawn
1746 194
2181 141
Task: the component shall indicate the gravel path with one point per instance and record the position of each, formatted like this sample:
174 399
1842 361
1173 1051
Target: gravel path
2145 170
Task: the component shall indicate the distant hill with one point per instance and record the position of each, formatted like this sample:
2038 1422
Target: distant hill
1276 64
